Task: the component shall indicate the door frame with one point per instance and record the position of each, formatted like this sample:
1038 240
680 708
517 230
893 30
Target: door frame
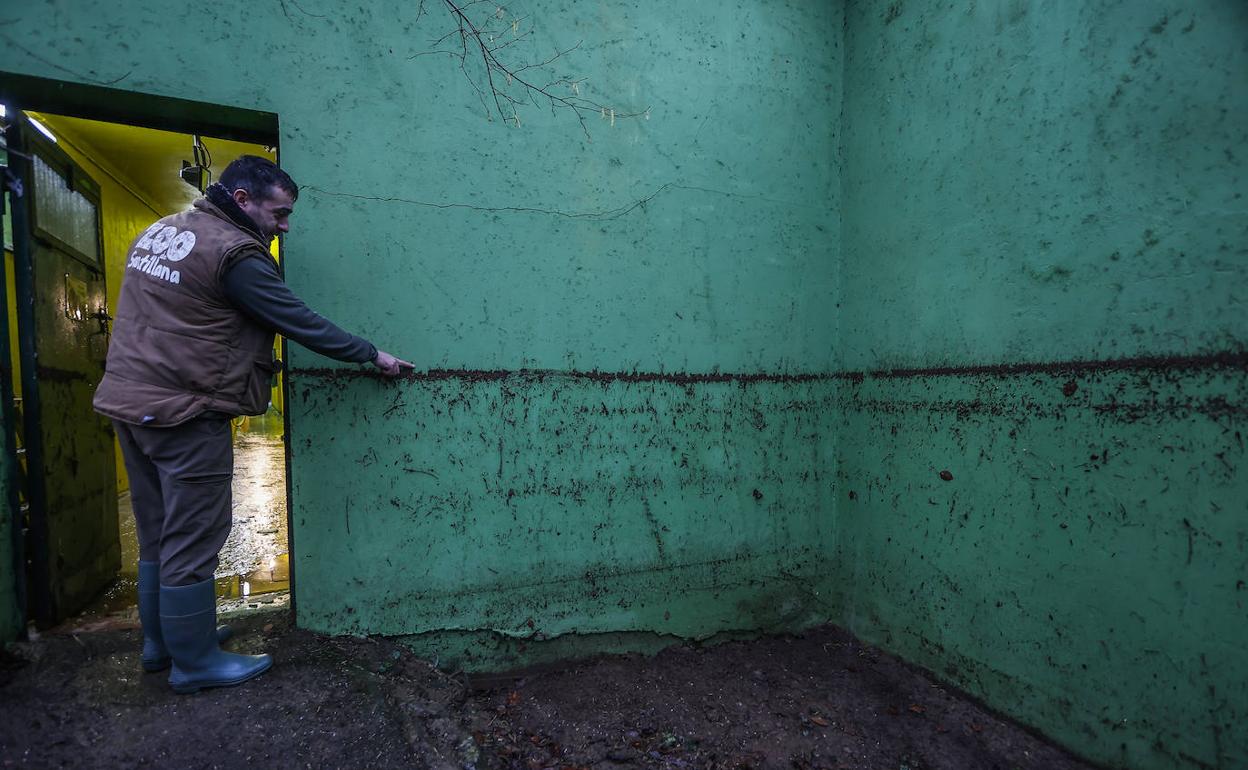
24 92
13 190
32 551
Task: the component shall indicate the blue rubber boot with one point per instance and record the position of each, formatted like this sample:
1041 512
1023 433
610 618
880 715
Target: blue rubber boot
155 656
188 620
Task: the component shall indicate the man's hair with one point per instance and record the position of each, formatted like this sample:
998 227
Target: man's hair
257 176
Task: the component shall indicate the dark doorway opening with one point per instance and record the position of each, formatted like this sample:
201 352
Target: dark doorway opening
93 167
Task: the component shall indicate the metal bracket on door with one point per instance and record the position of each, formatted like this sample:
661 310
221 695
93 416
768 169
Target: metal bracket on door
11 181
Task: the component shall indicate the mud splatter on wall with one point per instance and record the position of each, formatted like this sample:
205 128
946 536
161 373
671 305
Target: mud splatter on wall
537 505
1069 544
1028 184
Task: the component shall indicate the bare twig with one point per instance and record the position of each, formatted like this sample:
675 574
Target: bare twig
504 85
551 59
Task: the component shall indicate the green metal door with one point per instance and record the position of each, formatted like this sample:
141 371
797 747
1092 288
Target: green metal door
72 546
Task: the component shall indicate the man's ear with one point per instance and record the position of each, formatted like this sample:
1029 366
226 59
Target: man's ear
241 197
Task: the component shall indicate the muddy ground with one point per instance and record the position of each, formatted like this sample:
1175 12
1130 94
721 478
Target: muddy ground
815 700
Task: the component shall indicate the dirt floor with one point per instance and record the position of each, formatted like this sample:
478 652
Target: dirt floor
816 700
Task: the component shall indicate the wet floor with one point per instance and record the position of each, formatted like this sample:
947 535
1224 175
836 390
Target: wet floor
819 699
254 560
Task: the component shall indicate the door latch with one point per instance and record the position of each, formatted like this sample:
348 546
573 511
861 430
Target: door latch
103 317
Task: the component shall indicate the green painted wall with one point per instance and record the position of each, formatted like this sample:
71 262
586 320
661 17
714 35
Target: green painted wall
548 504
1024 184
556 504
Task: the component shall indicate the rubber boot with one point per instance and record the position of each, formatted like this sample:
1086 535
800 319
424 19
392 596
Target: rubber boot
155 656
188 620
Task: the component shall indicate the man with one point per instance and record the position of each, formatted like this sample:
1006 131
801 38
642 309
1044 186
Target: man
192 347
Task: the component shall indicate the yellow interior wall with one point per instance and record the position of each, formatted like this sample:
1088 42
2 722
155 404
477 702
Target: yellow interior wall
11 304
278 403
14 353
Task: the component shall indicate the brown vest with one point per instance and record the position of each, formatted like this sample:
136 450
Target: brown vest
179 348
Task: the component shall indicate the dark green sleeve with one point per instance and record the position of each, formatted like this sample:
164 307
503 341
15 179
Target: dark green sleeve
253 286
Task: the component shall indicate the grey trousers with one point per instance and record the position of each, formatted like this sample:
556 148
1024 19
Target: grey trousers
180 481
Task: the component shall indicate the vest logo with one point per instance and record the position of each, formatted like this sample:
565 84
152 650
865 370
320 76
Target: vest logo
163 243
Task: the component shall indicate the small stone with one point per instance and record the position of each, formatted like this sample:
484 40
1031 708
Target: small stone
622 755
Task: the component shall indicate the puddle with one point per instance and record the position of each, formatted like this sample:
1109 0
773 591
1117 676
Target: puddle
254 559
274 576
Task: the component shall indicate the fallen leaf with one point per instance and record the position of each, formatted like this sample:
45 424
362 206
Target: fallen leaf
819 721
916 708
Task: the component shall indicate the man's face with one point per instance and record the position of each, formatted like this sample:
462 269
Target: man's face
272 214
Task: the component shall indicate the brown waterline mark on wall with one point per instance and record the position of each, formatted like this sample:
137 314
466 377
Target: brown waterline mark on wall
494 375
1225 360
1221 360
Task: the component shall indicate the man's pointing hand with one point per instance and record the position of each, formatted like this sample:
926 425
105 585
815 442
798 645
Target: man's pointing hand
389 365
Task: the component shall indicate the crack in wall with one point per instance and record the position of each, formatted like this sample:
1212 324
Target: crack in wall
608 214
48 63
603 215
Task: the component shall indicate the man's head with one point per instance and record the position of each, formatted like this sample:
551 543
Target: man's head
263 191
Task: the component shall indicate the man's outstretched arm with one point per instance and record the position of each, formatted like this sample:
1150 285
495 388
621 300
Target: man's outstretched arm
253 286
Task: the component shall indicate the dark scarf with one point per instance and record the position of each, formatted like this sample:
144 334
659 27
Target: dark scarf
220 197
